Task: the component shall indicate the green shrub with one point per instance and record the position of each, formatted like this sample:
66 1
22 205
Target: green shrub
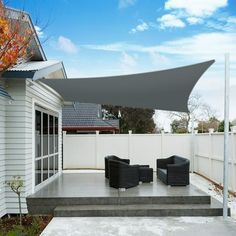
17 230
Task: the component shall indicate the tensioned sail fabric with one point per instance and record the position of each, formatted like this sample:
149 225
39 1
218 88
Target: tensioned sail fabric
164 90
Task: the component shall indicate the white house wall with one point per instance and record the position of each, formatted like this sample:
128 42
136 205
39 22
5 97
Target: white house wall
38 94
2 157
17 141
19 135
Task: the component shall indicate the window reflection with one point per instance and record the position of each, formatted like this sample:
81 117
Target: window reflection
51 166
37 133
56 163
51 135
38 172
45 168
56 134
45 134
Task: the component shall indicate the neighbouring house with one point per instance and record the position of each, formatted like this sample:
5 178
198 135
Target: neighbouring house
86 118
30 125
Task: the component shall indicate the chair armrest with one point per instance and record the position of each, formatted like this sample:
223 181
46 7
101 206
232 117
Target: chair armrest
180 168
126 161
143 166
162 163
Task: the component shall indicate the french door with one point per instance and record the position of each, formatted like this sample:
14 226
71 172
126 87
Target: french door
46 144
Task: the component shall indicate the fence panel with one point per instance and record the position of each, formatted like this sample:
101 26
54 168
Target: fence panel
205 151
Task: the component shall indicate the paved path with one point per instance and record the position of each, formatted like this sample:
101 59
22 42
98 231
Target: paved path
144 226
134 226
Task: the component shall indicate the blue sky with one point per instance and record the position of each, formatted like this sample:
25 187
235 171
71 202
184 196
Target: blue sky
109 37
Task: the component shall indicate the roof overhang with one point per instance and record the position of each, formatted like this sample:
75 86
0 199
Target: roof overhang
35 70
164 90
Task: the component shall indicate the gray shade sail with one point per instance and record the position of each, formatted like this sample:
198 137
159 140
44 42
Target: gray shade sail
164 90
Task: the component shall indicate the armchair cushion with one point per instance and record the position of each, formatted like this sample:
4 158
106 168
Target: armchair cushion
113 157
173 170
123 175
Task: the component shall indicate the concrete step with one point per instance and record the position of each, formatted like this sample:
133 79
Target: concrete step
213 209
46 205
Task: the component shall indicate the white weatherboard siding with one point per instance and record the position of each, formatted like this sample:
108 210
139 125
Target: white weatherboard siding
2 157
40 95
17 139
19 135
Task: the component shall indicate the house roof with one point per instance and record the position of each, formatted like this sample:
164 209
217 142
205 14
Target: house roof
26 23
35 70
81 115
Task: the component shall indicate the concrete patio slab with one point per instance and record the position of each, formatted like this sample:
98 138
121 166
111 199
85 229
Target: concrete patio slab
96 185
126 226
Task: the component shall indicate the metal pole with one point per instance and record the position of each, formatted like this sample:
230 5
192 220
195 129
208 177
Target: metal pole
226 137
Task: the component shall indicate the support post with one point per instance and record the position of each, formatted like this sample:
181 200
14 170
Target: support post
211 131
233 157
162 141
96 149
226 138
129 141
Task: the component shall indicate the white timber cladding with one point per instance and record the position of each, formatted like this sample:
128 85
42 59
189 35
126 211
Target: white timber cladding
20 134
2 157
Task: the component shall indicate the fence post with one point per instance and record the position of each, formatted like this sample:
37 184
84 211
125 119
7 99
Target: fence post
63 150
96 149
162 141
233 157
195 157
129 137
211 152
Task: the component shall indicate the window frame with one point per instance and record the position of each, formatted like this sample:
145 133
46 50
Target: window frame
48 155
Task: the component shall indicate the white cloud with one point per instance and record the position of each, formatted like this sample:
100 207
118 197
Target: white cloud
231 20
186 50
197 8
194 20
170 21
140 28
126 3
128 62
66 45
39 31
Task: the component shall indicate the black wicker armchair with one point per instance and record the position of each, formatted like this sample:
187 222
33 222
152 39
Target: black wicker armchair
123 175
173 171
113 157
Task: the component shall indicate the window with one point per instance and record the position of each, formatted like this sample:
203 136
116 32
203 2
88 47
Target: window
37 133
46 144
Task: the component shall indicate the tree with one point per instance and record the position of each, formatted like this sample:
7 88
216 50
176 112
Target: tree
14 40
221 127
198 110
136 119
16 186
204 126
179 126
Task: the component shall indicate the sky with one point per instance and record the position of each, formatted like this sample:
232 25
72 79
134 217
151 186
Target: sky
113 37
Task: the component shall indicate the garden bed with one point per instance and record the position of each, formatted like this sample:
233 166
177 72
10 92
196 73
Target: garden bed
31 225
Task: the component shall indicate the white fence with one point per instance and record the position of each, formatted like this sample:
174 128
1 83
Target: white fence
205 151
